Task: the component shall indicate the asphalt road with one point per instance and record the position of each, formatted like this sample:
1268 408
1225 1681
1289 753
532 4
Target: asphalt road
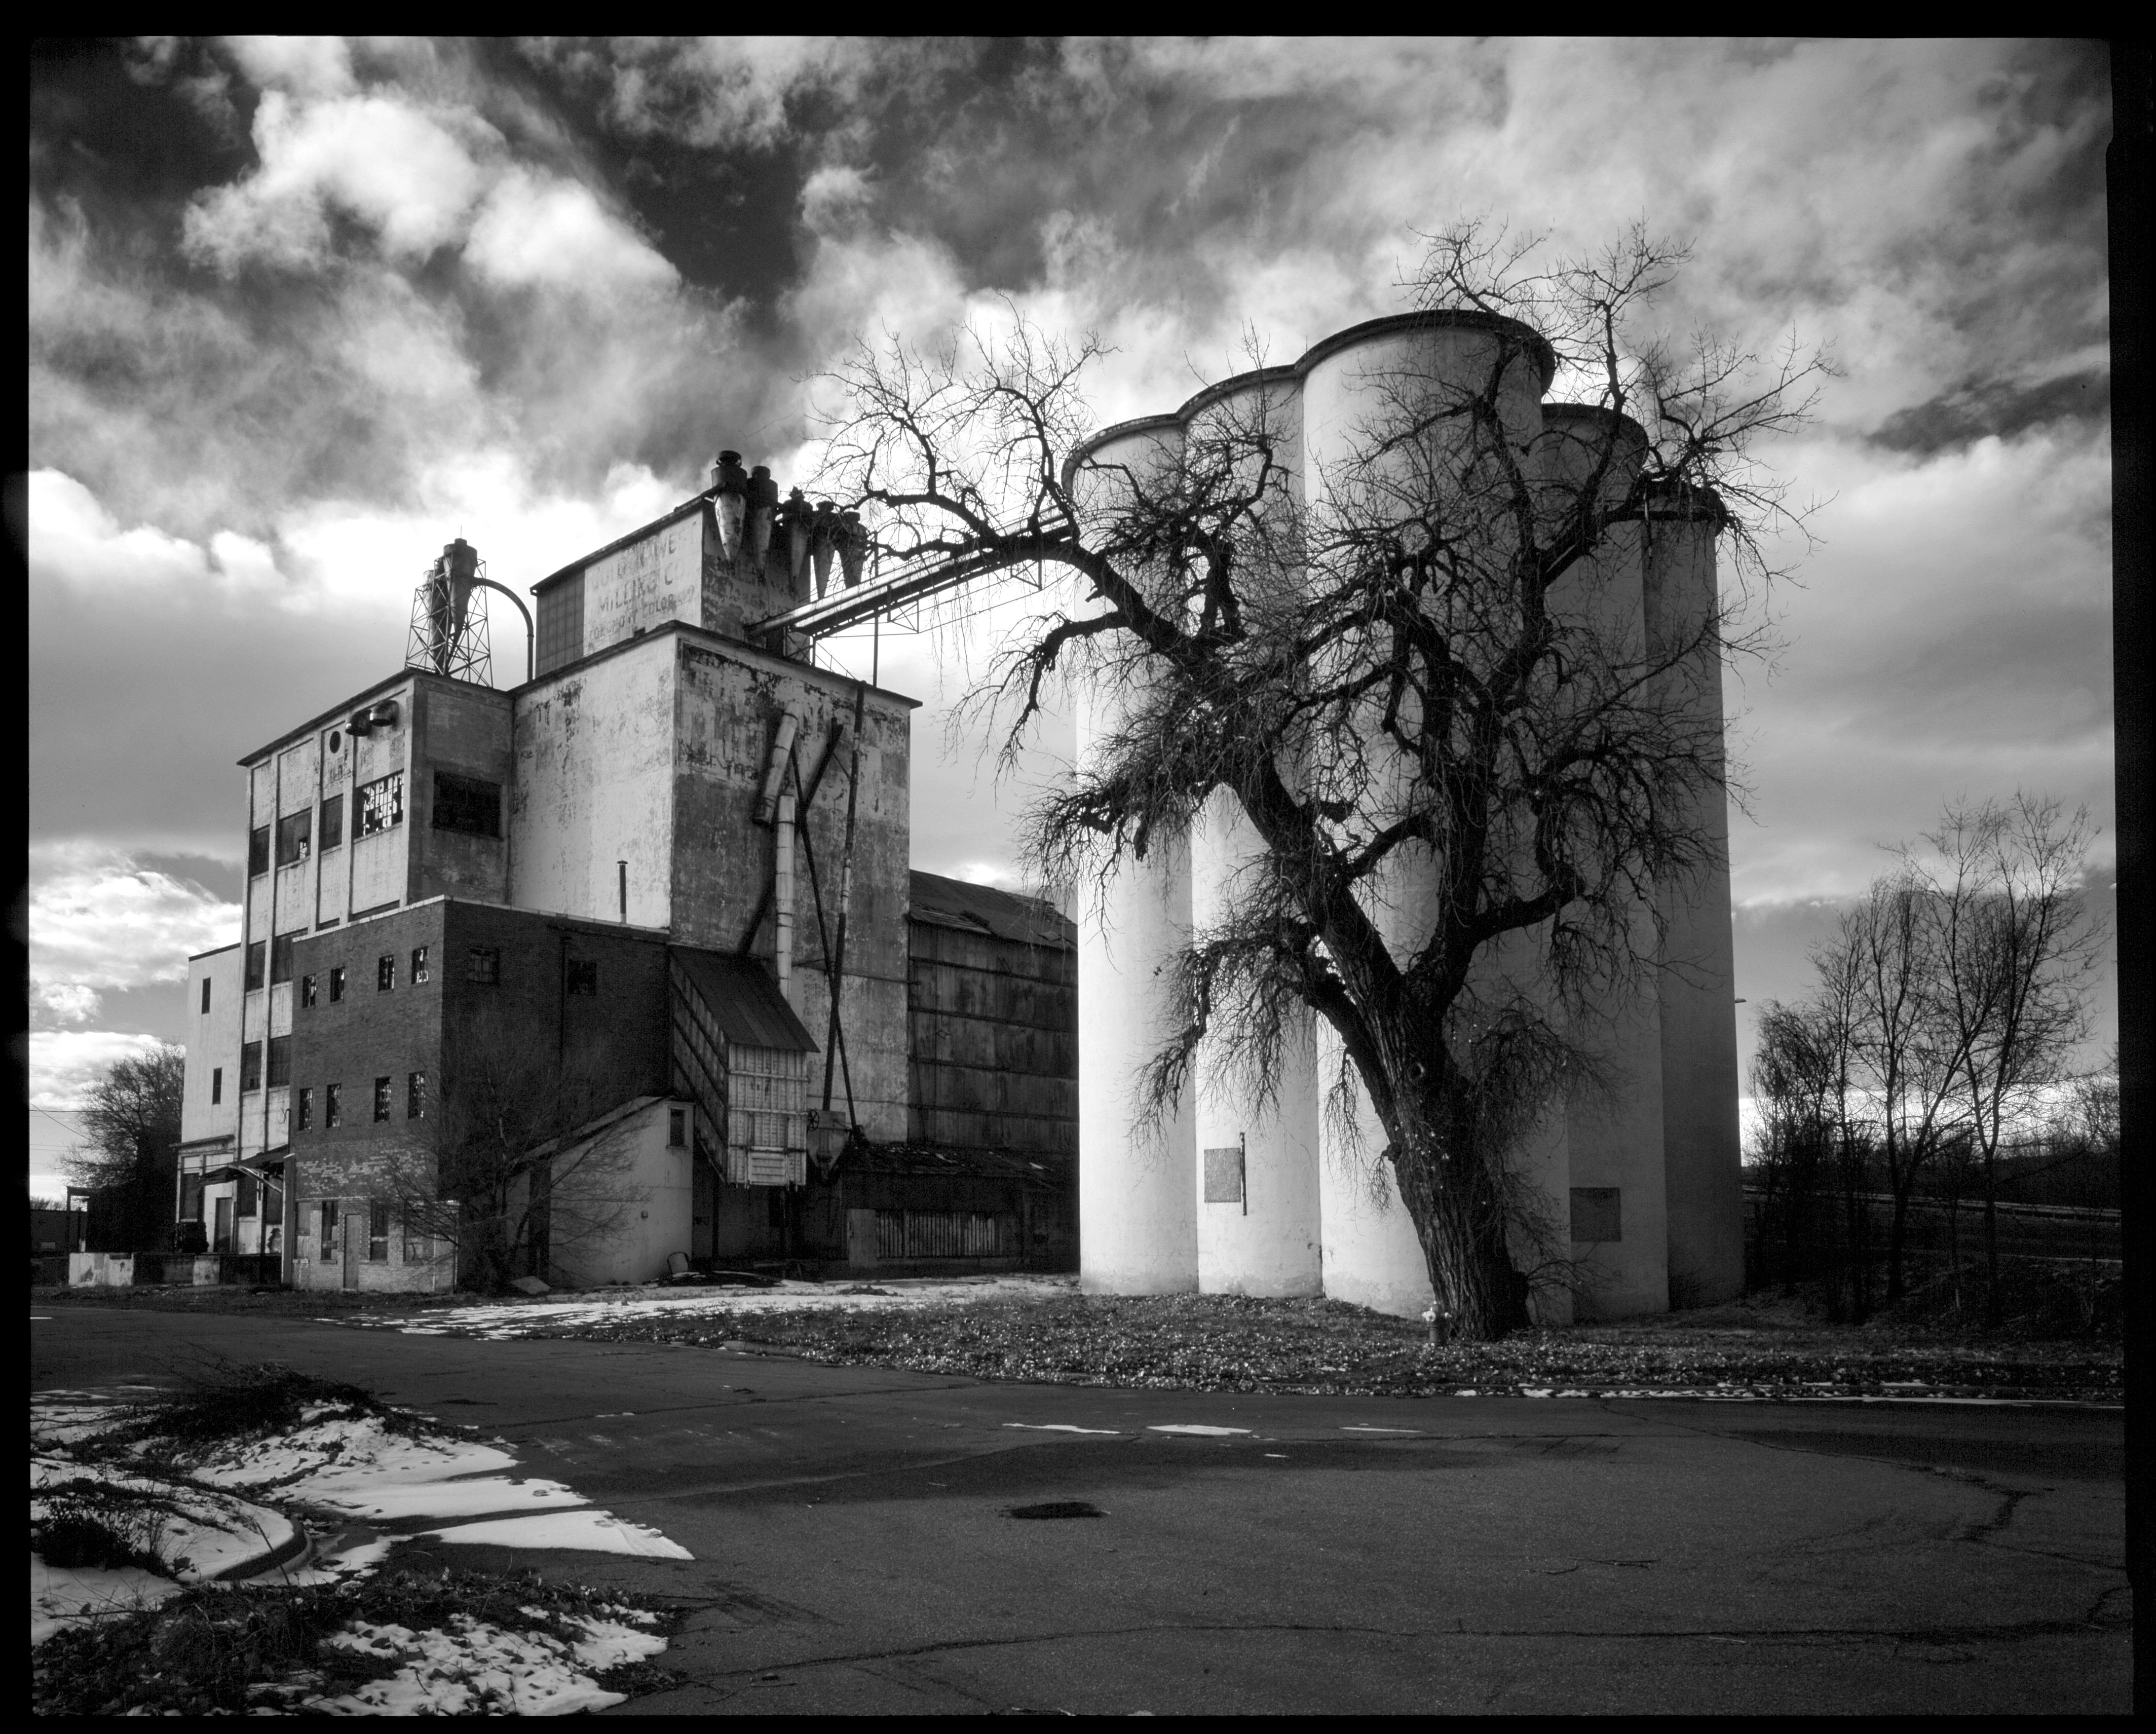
855 1553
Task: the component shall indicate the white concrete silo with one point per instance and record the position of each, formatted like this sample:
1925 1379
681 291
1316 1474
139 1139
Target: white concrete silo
1137 1186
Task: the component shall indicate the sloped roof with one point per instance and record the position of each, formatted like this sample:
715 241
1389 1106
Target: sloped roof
954 1163
743 1000
983 909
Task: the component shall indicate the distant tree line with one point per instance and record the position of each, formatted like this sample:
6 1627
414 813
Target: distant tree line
1931 1060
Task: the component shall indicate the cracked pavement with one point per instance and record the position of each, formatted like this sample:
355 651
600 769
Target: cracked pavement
855 1553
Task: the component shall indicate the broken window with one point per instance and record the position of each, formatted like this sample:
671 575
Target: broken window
330 1214
380 804
257 850
295 838
677 1126
248 1201
191 1192
467 804
310 988
216 1084
303 1109
332 821
381 1099
332 1106
257 958
377 1229
419 965
280 1061
483 965
336 982
415 1096
385 974
281 959
250 1066
583 976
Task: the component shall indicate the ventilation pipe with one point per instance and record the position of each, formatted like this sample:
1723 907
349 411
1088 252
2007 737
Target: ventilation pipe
762 504
729 490
822 543
853 546
795 514
774 806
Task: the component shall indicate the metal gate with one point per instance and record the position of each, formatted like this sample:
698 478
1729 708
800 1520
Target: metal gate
945 1234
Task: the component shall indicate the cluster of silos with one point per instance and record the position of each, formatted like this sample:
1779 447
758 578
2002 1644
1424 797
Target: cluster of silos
1290 1196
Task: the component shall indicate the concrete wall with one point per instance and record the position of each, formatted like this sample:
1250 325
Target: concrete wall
212 1046
656 577
466 731
594 756
628 1193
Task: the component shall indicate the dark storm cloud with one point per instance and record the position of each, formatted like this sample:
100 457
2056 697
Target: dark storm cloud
1994 409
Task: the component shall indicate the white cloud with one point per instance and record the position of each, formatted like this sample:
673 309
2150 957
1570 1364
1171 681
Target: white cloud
306 65
66 1063
100 920
535 229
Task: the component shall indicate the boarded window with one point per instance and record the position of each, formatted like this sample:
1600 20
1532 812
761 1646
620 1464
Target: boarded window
467 804
333 822
483 965
257 962
303 1110
415 1096
583 976
385 974
382 1099
380 804
295 838
1594 1213
281 959
1223 1175
216 1084
250 1065
257 850
280 1061
377 1229
419 965
336 982
332 1104
561 624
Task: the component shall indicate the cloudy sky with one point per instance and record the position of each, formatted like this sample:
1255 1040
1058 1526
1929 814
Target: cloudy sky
302 310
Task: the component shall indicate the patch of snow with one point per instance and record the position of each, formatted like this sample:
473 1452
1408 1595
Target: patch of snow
1063 1427
1200 1431
60 1597
198 1535
475 1669
585 1532
390 1501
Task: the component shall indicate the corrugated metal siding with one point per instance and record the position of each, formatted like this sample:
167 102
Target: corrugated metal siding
992 1025
903 1234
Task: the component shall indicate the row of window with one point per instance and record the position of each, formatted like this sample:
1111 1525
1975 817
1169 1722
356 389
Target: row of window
415 1102
330 1223
469 805
271 960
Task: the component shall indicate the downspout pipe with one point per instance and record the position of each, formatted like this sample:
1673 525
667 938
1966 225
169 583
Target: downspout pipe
774 806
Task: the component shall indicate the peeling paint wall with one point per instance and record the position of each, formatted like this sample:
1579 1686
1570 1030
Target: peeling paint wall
657 578
464 731
593 786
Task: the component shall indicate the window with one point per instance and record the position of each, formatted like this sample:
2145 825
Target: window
205 995
583 978
329 1227
333 832
336 982
336 742
467 804
258 956
381 1099
281 959
677 1126
191 1192
377 1230
385 974
419 965
250 1065
303 1109
332 1106
280 1061
249 1202
483 965
295 838
257 850
216 1084
415 1095
310 988
380 804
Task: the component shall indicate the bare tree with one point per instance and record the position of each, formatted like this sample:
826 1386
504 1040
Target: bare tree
505 1165
133 1121
1400 672
2016 951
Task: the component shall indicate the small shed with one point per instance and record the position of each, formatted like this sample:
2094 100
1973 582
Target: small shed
742 1056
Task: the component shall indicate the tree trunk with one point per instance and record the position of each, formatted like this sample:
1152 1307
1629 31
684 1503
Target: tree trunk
1457 1209
1994 1305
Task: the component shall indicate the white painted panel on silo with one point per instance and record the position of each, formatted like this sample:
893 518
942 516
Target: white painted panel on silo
1373 1256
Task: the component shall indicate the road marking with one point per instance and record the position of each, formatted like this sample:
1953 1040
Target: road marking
1411 1432
1201 1432
1061 1427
